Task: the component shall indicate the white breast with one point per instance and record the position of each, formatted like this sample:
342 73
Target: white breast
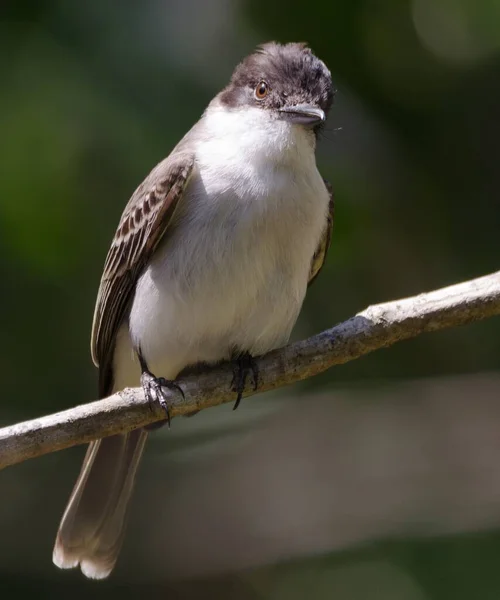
232 272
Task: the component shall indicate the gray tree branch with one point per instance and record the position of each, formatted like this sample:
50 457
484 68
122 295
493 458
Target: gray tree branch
379 326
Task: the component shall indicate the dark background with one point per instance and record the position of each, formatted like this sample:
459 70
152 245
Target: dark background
92 96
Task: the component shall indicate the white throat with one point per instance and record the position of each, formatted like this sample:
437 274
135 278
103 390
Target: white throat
256 135
251 152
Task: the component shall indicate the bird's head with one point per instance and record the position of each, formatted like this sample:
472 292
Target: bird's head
287 81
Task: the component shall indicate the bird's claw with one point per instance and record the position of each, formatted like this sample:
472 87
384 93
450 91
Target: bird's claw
245 364
154 392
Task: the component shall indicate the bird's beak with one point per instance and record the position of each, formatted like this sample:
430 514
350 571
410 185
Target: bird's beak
303 114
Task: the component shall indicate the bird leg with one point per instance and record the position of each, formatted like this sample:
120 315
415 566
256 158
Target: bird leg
244 365
154 392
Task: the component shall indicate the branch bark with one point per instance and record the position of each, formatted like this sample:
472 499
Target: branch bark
379 326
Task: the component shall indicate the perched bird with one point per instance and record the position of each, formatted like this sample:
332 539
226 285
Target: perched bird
211 261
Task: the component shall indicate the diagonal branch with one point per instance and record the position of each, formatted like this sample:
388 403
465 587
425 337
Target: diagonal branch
376 327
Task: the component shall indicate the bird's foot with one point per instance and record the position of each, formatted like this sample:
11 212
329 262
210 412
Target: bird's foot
245 364
154 392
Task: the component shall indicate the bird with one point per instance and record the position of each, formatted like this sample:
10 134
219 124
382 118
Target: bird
210 262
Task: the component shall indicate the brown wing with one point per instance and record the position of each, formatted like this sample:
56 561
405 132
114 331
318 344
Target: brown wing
141 227
319 257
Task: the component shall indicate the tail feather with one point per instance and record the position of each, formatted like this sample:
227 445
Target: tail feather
92 527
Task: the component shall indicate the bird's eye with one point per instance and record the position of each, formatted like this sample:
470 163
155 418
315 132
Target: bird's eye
261 90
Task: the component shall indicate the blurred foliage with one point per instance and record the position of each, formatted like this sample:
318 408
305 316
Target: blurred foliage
94 94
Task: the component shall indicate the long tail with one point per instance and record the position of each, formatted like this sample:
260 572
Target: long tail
92 527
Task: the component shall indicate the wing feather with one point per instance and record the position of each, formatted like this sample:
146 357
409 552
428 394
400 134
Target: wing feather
142 225
318 259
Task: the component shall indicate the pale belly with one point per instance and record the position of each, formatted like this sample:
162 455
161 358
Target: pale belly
228 281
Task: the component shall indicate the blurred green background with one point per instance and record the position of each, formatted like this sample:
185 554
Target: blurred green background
92 96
